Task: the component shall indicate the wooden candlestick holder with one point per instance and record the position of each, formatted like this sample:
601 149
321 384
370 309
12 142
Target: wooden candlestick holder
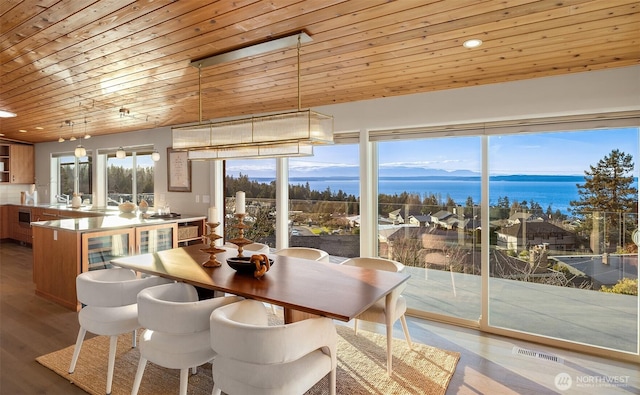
210 239
240 241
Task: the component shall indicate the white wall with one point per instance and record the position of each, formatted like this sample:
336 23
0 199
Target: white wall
583 93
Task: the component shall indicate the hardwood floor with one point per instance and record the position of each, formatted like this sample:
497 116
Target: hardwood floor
31 326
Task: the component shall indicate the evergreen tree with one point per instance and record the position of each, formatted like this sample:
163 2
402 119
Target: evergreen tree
607 190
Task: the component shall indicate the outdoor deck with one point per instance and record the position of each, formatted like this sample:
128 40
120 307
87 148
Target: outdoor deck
585 316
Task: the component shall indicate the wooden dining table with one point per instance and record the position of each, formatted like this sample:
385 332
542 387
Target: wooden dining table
302 287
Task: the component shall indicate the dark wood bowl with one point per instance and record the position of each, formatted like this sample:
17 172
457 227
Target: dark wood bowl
243 264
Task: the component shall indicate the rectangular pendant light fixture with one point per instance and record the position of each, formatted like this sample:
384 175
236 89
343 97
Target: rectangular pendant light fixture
290 133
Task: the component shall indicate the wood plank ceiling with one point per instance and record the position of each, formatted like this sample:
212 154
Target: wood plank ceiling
112 66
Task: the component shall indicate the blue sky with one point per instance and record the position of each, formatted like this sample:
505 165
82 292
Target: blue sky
542 153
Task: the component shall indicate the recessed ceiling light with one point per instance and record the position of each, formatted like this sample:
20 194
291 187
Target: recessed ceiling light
22 131
61 140
7 114
472 43
1 134
39 128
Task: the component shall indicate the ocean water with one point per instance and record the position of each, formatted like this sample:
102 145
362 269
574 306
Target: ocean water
554 191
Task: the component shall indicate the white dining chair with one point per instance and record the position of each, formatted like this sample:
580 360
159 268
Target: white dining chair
313 254
253 248
176 334
109 299
305 253
255 358
378 312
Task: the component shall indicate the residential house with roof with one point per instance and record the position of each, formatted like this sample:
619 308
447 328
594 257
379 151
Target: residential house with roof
525 234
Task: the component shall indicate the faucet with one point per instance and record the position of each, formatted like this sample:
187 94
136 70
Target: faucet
62 198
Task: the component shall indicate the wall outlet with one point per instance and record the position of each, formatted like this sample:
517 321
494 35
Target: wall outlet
197 198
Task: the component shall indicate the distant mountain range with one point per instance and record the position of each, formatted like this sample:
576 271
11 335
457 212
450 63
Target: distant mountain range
338 172
350 172
422 172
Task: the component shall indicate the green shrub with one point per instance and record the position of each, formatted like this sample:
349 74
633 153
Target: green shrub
626 286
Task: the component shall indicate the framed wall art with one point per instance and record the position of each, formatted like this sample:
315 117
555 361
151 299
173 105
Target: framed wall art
179 171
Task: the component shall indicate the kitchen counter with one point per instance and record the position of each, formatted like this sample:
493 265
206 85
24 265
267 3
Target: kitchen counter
67 207
111 220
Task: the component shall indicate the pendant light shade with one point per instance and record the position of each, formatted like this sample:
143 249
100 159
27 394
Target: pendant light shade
120 153
155 156
80 151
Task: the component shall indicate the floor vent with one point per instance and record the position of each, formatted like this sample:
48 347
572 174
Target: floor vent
537 354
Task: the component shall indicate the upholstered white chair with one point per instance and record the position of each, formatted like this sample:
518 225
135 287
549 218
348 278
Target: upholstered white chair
253 248
378 312
255 358
176 334
304 252
110 309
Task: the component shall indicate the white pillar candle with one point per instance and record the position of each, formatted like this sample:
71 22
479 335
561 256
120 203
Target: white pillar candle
240 202
213 214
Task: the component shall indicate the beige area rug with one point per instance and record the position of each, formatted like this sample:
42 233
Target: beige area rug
361 368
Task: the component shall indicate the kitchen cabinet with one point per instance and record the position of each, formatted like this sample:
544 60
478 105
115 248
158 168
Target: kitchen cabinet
56 258
156 238
52 213
99 248
19 223
64 248
4 224
17 163
190 232
43 214
4 162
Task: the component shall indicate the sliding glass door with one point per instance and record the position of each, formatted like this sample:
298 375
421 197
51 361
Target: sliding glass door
559 259
563 263
429 219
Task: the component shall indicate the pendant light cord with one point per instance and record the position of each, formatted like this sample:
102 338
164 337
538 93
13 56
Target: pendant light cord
299 98
200 93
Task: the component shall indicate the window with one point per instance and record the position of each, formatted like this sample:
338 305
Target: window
324 192
126 185
74 175
256 177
